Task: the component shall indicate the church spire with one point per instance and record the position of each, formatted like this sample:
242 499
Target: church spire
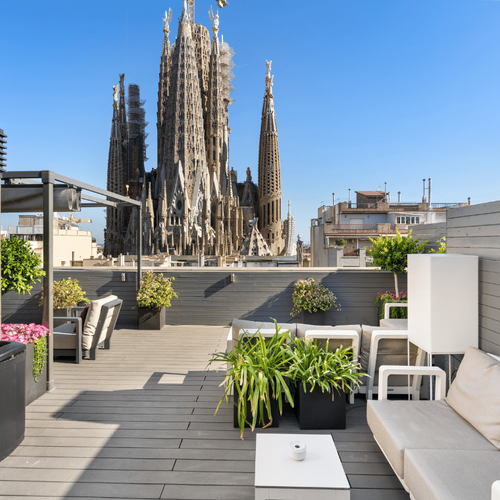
270 172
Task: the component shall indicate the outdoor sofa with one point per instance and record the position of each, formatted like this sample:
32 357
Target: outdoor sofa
445 449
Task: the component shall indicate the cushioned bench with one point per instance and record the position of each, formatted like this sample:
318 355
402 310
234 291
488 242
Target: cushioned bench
446 450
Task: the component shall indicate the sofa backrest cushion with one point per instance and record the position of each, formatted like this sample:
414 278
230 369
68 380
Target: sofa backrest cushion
475 393
92 320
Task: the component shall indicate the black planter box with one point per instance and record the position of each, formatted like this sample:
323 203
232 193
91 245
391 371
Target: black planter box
34 389
12 394
152 319
275 412
316 410
315 318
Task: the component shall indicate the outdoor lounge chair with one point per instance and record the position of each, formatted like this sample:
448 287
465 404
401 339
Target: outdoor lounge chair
82 339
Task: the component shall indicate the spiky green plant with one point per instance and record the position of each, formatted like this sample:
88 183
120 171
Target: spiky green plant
331 371
255 374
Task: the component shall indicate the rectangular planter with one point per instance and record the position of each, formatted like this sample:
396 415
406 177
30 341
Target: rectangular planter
275 412
316 410
151 319
34 389
12 385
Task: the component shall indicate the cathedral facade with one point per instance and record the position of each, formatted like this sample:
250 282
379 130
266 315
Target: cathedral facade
192 202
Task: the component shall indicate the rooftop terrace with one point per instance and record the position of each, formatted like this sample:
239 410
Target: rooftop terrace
138 423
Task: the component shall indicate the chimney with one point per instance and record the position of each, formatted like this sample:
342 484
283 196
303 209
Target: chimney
349 195
399 196
423 196
429 192
333 194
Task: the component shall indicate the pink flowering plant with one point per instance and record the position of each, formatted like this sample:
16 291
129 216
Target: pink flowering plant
29 334
390 297
309 295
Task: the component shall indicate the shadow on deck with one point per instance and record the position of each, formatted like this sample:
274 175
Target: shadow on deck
138 423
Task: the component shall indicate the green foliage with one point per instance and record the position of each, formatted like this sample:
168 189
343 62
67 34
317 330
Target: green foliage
396 312
21 266
256 370
332 371
442 246
40 355
67 293
391 253
155 291
309 295
340 242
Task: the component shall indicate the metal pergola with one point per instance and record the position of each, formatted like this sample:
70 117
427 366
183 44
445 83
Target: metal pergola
22 193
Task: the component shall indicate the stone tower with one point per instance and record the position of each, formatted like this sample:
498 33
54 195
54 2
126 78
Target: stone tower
196 209
117 165
269 189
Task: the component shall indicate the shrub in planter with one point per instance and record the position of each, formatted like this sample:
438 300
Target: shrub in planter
21 266
29 334
390 297
153 296
311 296
322 378
67 293
255 377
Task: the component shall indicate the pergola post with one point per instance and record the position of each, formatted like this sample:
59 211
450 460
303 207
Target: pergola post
48 266
139 246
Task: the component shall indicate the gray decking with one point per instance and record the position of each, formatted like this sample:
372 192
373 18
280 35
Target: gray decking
138 423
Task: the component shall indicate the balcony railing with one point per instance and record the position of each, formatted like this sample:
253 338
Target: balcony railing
367 228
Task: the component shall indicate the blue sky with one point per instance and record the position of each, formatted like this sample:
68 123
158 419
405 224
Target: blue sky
366 91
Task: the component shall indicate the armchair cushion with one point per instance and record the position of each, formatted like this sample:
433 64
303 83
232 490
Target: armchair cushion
92 320
475 393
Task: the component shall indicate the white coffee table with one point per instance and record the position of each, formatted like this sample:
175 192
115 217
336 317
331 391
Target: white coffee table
278 476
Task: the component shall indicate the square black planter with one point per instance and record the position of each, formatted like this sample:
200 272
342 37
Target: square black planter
316 410
152 319
275 412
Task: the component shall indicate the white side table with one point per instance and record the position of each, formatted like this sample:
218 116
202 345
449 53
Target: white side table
279 477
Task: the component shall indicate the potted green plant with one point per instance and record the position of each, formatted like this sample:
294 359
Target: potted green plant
67 293
35 338
322 378
391 253
153 297
310 297
255 377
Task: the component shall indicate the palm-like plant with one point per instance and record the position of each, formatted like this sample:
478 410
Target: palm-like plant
331 371
255 375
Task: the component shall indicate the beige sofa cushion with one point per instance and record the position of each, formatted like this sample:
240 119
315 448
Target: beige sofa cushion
402 425
451 475
475 393
92 320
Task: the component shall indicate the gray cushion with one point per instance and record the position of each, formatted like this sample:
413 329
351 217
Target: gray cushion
401 425
475 393
390 352
451 475
65 340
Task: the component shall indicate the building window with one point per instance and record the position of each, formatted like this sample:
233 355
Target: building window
413 219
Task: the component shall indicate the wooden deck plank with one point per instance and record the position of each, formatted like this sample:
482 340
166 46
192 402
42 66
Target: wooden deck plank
138 423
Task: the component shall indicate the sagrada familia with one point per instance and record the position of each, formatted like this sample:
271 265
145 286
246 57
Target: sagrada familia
192 202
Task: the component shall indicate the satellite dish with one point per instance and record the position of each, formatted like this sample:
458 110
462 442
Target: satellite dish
377 188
